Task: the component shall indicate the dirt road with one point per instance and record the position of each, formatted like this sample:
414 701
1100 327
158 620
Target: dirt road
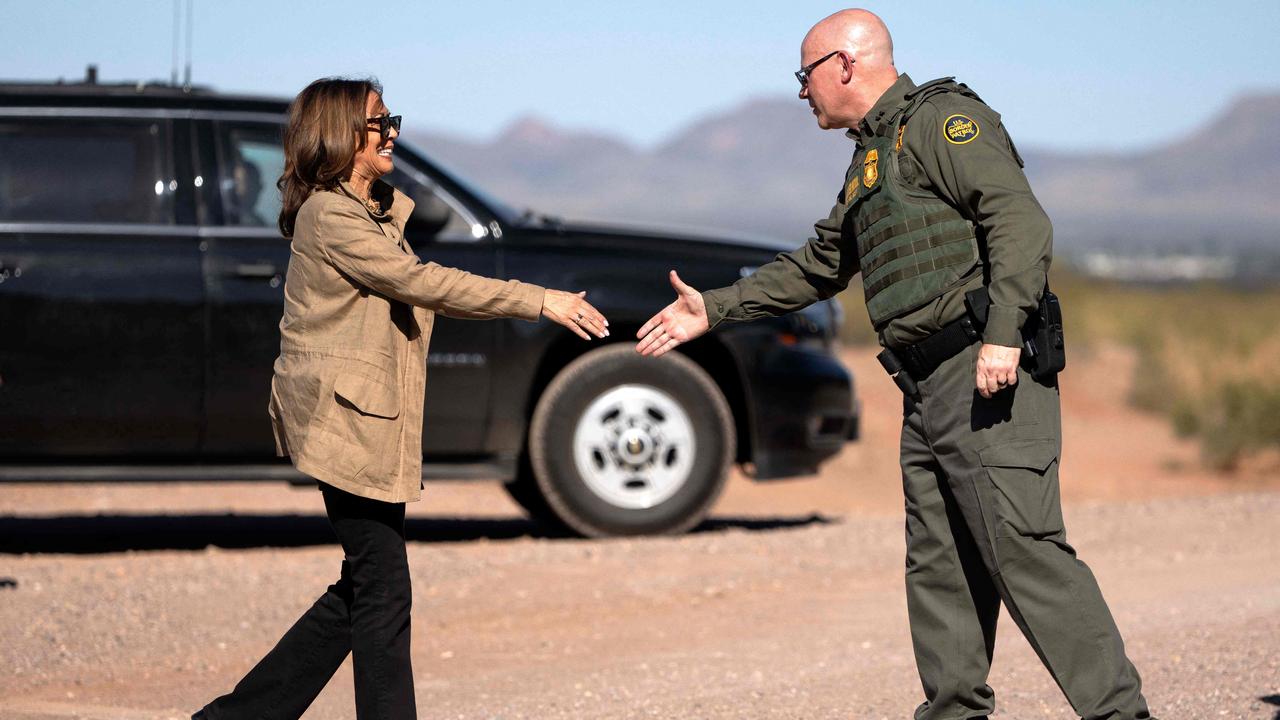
788 603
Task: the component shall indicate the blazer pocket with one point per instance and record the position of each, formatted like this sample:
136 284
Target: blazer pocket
369 396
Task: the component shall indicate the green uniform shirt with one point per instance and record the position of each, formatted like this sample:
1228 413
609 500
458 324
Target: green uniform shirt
982 178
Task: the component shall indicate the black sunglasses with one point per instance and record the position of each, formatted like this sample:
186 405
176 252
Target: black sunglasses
385 123
803 73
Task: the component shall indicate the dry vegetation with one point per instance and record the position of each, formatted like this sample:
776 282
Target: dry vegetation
1208 354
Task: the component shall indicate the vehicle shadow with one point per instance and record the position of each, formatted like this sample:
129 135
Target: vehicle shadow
82 534
1272 700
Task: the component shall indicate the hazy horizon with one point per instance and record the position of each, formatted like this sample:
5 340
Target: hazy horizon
1089 76
496 133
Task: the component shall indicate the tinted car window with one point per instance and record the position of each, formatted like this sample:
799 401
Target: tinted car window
84 170
433 211
252 161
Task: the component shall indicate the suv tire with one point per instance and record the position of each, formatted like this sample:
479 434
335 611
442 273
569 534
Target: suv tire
622 444
524 491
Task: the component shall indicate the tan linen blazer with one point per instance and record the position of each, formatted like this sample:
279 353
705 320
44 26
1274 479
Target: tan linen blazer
347 393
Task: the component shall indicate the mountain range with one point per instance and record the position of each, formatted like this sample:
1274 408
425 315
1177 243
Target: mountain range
764 168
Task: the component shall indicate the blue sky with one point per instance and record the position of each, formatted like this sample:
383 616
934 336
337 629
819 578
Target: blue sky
1083 75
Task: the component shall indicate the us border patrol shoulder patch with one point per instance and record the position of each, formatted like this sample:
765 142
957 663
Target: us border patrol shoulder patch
960 129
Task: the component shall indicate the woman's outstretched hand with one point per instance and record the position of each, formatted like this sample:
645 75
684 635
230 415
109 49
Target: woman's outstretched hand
574 312
679 322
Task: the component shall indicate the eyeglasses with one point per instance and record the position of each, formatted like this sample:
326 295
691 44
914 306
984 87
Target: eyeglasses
385 123
803 73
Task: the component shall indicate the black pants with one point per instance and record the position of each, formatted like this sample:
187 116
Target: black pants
365 613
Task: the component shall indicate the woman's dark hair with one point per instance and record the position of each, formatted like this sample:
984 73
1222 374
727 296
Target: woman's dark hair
326 129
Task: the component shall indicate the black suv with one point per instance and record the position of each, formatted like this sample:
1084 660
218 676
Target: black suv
140 292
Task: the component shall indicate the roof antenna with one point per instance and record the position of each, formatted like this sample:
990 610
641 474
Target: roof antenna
186 82
173 68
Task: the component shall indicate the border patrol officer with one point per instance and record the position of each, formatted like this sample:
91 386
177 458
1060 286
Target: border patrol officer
935 207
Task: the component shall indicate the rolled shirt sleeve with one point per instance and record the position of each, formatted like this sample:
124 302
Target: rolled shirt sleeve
983 178
815 271
363 253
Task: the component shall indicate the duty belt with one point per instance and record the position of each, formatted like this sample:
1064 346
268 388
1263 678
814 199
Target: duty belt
922 358
1043 346
911 363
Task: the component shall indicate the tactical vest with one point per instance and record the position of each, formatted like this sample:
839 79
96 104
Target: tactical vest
911 250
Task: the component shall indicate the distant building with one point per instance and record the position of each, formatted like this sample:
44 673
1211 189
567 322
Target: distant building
1163 268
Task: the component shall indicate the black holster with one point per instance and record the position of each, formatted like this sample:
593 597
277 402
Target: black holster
1046 343
1044 352
893 365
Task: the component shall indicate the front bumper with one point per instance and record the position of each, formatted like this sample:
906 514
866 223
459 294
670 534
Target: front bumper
802 408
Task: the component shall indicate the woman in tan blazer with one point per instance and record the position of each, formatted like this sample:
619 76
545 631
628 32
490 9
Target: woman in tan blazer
347 395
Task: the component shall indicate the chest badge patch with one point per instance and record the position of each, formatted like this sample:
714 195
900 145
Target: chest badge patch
871 168
960 129
851 190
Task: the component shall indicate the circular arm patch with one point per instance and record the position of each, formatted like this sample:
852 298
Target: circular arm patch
960 129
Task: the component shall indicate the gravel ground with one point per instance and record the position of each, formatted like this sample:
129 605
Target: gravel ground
143 601
760 618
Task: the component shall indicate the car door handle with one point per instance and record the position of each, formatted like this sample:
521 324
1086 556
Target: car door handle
256 270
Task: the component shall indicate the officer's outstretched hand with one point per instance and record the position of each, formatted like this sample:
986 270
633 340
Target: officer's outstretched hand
997 368
679 322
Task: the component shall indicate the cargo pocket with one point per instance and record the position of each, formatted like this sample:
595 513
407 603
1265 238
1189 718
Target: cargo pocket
1024 479
365 429
368 396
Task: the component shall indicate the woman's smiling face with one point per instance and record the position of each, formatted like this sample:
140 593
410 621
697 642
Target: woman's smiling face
374 160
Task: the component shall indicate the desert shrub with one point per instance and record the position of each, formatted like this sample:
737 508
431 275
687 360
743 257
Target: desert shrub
1239 418
1208 356
1151 378
1185 416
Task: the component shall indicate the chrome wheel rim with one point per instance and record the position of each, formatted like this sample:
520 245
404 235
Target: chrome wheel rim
634 446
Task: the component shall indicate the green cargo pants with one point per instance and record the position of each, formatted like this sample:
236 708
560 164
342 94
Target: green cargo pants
984 526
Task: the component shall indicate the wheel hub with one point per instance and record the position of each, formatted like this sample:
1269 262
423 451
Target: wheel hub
634 446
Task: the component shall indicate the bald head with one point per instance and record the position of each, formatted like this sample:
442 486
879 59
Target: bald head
842 94
858 31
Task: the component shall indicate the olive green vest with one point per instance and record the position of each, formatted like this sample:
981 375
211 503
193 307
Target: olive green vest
911 250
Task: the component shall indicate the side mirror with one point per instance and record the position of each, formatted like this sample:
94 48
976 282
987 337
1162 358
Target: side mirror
430 215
